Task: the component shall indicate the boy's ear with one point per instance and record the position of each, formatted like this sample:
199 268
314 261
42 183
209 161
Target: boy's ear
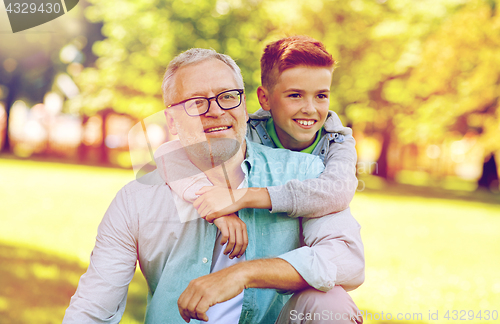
263 95
170 121
245 106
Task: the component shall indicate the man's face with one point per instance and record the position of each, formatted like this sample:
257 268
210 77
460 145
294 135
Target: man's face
299 104
207 79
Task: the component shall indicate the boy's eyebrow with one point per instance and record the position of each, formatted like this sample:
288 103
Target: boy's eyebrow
293 90
301 90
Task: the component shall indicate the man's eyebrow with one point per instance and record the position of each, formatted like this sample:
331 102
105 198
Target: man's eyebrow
217 91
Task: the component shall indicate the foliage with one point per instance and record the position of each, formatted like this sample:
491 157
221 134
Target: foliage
143 36
410 71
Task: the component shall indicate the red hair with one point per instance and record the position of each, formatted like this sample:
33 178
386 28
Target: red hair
290 52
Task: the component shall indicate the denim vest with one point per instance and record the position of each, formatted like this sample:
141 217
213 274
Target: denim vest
257 133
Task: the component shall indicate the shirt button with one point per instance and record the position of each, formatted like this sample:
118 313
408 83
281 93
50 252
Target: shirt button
205 260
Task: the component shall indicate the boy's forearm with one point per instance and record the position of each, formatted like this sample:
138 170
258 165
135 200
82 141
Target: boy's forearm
256 198
330 193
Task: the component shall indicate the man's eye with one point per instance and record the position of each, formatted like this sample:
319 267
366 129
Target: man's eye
294 95
322 96
195 103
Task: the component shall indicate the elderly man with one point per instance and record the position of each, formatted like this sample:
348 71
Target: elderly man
187 274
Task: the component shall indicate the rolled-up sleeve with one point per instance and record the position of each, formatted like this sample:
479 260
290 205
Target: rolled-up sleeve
333 254
102 291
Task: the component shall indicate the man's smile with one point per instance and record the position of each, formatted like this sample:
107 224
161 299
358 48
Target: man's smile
217 129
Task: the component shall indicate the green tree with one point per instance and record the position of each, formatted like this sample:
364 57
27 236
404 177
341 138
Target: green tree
396 76
143 36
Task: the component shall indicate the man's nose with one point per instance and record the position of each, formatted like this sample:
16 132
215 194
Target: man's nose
214 110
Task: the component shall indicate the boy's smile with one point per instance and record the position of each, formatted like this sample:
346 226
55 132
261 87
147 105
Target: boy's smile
299 104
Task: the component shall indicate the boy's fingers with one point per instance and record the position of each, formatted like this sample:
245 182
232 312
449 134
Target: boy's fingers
197 202
210 217
245 241
232 240
203 190
224 232
200 211
239 243
213 216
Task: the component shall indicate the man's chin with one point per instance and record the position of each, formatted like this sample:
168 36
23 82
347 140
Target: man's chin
213 152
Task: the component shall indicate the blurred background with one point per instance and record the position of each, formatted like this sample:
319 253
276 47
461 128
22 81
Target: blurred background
418 82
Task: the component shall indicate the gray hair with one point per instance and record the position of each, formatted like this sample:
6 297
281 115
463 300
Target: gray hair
193 56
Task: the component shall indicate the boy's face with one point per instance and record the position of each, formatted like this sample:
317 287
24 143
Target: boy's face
299 104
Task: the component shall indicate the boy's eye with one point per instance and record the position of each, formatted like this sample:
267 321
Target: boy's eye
322 96
294 95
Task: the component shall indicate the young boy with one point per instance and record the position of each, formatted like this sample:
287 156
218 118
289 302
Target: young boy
296 77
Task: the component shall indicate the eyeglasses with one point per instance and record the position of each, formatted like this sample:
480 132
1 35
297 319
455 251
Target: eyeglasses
198 106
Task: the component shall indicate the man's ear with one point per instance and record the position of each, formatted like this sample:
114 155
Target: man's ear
170 121
263 95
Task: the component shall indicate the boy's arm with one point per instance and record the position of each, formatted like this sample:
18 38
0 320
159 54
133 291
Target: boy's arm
332 191
234 233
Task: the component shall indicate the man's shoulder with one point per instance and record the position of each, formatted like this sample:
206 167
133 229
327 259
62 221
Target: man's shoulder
148 182
146 198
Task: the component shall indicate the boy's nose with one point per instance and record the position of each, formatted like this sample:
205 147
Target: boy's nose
308 107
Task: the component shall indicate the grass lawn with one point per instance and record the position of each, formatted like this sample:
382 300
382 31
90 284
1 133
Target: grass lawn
426 255
423 253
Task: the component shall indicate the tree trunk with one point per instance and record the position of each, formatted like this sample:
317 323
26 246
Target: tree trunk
382 167
13 87
489 178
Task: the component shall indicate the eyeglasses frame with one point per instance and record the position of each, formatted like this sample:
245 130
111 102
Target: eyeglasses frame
240 91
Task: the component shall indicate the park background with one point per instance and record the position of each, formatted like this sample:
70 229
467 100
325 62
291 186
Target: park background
418 81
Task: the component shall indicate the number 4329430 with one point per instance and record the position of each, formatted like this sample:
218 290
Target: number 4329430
462 315
26 8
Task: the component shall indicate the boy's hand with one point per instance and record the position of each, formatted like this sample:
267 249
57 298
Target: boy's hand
215 202
234 232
